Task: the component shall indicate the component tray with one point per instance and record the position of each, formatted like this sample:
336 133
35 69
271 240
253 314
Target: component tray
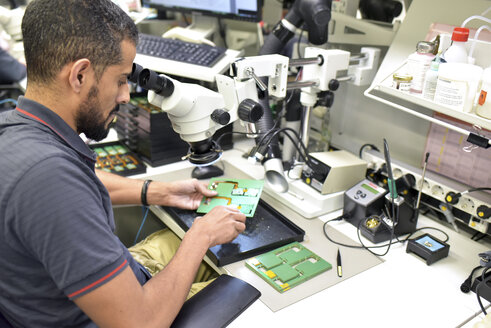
121 168
266 230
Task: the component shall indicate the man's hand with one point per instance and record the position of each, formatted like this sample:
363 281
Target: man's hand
222 225
186 194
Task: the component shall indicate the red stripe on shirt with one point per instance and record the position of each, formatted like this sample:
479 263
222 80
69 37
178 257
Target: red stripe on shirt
98 281
40 120
34 117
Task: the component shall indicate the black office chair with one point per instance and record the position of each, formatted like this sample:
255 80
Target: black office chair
215 306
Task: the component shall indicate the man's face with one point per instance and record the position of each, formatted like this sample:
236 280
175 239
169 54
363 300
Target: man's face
98 110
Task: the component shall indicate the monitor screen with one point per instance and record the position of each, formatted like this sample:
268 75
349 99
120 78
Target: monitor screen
248 10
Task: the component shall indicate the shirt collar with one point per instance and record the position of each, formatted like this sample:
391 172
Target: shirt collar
43 115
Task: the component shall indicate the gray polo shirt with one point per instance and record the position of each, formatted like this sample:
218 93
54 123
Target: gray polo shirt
57 238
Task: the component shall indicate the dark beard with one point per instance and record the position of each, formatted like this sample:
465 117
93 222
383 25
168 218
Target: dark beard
89 119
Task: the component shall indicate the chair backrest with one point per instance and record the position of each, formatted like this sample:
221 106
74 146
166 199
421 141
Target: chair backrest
217 305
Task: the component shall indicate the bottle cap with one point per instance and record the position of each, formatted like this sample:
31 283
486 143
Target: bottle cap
425 47
460 34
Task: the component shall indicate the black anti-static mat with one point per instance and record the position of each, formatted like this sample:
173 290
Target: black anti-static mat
265 231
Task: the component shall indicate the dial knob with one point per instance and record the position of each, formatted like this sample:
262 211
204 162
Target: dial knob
333 85
250 111
220 116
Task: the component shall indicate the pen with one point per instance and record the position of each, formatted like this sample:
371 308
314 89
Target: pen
340 268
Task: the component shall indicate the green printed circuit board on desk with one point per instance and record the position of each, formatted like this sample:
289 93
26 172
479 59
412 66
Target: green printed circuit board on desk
116 158
242 193
288 266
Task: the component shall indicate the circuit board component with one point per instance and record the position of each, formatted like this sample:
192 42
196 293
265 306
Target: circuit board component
116 158
243 194
288 266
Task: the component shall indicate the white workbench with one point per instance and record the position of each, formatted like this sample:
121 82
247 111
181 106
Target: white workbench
400 292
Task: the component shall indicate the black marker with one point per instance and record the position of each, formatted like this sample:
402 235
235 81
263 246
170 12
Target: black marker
340 267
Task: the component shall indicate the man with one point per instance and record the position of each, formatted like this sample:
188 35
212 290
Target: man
60 263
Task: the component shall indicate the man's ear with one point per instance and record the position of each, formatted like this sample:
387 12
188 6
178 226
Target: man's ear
78 76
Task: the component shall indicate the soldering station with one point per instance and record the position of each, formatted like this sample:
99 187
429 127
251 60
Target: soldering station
342 130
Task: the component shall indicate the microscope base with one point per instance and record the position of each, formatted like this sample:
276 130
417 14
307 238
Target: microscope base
306 201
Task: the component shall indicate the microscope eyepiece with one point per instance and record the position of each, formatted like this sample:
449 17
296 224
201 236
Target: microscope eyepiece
150 80
135 73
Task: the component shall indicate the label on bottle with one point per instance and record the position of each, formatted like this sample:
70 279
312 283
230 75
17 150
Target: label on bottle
430 88
451 93
401 86
417 66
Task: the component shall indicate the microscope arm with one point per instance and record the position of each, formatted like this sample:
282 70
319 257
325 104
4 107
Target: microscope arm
316 15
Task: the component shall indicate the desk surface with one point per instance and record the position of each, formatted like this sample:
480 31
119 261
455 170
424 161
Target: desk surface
400 292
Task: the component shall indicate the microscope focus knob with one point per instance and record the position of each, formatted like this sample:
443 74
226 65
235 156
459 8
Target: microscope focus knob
333 85
220 116
250 111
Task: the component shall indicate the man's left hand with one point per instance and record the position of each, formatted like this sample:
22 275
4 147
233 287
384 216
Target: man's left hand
185 194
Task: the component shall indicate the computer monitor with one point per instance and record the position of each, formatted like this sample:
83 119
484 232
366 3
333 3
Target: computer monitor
247 10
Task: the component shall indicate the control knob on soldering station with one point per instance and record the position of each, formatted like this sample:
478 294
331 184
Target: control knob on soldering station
250 111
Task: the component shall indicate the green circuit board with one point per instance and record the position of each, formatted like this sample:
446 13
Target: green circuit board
243 194
288 266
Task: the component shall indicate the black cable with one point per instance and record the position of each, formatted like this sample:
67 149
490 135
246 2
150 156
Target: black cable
282 130
467 284
480 237
475 235
459 194
367 145
275 132
368 247
230 132
298 43
483 281
477 189
378 246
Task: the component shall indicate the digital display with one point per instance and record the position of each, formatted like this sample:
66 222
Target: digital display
370 189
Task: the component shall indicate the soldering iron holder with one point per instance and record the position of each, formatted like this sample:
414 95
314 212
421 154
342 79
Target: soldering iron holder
379 229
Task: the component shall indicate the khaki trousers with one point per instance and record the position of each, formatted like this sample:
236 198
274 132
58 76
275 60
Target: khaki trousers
156 251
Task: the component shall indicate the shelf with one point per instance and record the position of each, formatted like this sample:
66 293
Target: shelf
471 118
423 108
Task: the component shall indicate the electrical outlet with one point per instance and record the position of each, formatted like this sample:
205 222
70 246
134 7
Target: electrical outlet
437 187
479 225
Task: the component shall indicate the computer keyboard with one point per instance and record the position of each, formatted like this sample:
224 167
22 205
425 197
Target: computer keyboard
186 52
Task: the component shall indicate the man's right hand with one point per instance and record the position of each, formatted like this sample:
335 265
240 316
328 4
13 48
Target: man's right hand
222 224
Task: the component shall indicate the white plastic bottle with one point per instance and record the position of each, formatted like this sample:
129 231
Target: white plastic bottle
431 77
458 85
457 52
418 63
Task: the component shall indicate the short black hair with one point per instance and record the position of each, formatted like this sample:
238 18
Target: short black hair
58 32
